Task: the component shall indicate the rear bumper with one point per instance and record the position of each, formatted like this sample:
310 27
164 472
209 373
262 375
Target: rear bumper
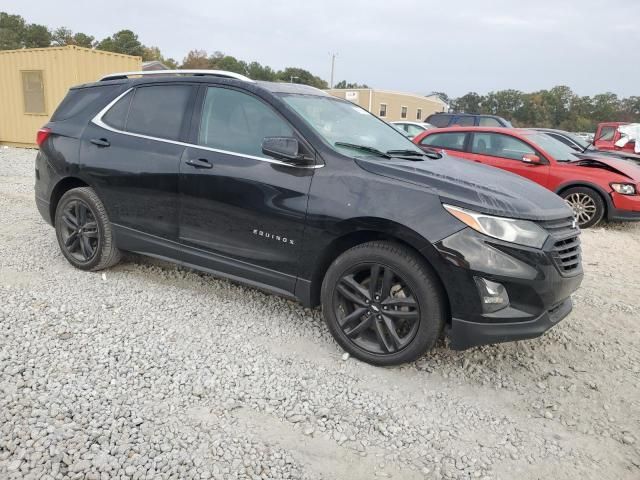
463 334
45 211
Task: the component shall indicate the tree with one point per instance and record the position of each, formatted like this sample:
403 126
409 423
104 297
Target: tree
62 36
36 36
469 103
228 63
345 84
12 29
256 71
300 75
195 59
124 41
83 40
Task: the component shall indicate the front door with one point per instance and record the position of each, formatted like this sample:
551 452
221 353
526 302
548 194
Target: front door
506 152
131 155
242 213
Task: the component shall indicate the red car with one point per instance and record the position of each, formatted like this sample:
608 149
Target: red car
607 135
596 187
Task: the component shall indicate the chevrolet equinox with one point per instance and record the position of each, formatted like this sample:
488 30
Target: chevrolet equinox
288 189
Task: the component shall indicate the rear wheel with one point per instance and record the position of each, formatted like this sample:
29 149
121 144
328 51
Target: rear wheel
84 232
382 304
587 204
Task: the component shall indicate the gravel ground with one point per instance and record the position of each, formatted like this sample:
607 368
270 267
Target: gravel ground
149 370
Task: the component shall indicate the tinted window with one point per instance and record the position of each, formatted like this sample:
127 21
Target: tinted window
158 111
439 120
498 145
451 141
78 99
489 122
607 133
464 121
116 117
237 122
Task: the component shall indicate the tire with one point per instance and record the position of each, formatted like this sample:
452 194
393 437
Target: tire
84 232
398 325
587 204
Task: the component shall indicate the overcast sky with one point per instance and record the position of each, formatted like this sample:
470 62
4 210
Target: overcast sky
418 46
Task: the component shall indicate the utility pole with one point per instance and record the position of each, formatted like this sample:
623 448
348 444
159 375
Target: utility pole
333 65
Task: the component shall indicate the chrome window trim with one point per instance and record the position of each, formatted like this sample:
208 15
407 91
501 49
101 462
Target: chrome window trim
97 120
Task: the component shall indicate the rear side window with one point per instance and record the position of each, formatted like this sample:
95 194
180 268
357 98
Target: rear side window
464 121
489 122
158 110
78 100
439 120
116 117
238 122
449 140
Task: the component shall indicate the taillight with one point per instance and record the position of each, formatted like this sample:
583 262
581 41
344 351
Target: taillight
42 135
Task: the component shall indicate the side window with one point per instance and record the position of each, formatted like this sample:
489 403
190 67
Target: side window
464 121
238 122
439 120
158 110
607 133
116 117
450 141
498 145
489 122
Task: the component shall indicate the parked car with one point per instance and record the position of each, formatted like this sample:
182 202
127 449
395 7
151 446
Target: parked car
442 120
584 148
607 134
595 186
412 128
286 188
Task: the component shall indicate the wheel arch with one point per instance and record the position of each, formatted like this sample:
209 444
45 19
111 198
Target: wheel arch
62 187
369 230
608 206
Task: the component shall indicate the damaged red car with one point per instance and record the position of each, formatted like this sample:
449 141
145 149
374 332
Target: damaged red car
597 187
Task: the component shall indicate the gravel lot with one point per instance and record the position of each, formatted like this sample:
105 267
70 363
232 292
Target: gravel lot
148 370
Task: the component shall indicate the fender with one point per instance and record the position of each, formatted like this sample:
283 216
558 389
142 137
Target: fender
578 183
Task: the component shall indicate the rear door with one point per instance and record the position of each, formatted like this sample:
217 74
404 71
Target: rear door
506 152
131 154
453 143
242 213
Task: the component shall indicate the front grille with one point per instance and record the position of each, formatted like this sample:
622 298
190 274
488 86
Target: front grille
566 250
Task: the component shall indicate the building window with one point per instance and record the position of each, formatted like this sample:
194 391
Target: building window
419 114
33 92
383 109
403 112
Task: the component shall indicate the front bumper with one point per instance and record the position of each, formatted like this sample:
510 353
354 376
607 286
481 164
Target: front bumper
624 207
538 286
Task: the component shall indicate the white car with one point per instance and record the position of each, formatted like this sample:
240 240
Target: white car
411 129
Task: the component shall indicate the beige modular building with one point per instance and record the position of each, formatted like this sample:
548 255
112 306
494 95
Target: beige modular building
33 81
389 105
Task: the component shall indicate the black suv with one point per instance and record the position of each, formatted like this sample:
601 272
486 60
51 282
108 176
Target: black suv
442 120
291 190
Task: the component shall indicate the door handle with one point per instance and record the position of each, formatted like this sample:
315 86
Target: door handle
199 163
101 142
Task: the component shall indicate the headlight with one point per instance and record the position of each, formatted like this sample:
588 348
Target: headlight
522 232
624 188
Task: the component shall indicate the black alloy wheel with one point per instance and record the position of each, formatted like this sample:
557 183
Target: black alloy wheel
79 232
84 233
376 309
383 303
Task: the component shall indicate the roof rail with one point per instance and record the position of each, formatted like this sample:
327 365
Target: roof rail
213 73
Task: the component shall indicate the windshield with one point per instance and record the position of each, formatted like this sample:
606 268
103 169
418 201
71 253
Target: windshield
558 150
579 140
341 122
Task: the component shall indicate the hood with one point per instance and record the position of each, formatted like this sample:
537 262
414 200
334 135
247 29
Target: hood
624 163
475 186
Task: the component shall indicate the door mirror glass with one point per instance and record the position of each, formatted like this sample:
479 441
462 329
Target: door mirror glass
532 159
282 148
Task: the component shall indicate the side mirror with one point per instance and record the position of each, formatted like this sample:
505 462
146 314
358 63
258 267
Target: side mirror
286 149
531 159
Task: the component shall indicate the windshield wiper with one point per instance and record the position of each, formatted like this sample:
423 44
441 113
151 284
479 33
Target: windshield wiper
414 153
363 148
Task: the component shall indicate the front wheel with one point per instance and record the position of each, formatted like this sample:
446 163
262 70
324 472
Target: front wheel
84 232
587 204
382 304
